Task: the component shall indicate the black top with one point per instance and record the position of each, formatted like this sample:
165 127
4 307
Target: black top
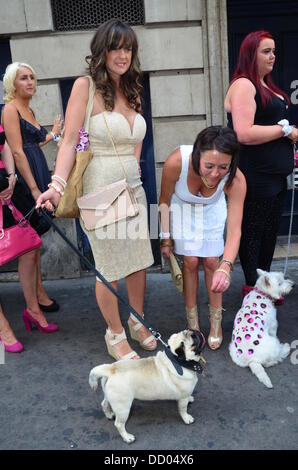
266 166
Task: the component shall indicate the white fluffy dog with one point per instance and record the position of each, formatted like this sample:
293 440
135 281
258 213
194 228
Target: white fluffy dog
254 342
153 378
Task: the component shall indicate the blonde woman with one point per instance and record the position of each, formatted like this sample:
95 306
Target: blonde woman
25 137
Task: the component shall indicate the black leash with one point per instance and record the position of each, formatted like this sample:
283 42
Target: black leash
192 365
90 266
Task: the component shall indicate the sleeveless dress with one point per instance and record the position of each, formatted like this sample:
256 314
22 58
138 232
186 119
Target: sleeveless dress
197 223
124 247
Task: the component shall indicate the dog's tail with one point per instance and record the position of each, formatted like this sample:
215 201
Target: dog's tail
261 374
105 370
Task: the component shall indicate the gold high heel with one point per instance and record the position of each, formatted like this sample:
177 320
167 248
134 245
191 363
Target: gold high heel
134 325
192 318
215 322
112 339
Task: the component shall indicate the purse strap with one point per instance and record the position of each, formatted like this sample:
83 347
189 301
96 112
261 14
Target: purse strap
113 144
89 104
17 215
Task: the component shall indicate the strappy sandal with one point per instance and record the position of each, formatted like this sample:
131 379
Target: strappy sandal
134 325
112 339
215 316
192 318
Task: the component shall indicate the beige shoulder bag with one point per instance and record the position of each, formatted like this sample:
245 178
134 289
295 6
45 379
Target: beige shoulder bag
111 203
68 207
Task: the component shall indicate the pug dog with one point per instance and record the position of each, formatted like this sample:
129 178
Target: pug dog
166 376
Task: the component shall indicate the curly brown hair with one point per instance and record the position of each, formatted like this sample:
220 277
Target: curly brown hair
108 37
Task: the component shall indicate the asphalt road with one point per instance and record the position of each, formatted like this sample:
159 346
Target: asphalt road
46 401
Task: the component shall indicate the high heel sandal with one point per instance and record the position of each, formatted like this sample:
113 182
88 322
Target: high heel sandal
16 347
215 322
192 318
29 321
112 339
134 325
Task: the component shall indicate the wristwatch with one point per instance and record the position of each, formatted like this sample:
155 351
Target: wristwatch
56 138
286 128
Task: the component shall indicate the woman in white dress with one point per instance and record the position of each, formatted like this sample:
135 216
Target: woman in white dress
193 212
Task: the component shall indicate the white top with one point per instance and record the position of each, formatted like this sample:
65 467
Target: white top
197 222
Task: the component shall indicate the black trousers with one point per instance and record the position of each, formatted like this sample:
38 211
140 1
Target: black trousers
261 219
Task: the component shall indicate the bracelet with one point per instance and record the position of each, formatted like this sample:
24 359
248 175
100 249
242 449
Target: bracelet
228 262
55 137
164 235
57 189
221 270
59 180
164 243
286 128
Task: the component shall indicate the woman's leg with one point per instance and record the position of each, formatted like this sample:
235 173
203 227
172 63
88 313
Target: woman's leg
190 289
272 222
136 286
108 305
254 216
215 303
42 296
6 333
28 279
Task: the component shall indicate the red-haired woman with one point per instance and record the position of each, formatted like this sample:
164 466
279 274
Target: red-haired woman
257 110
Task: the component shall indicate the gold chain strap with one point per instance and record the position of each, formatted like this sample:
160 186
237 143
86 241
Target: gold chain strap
113 144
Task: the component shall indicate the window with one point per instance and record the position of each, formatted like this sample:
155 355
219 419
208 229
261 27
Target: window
89 14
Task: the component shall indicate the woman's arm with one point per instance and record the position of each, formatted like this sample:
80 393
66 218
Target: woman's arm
235 195
55 132
74 120
170 175
240 102
11 124
8 161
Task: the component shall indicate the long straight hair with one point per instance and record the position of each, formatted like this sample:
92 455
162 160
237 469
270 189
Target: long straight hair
247 66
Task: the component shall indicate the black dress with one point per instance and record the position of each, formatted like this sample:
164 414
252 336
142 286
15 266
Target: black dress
22 197
31 138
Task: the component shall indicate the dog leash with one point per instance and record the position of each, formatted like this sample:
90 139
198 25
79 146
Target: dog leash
291 214
178 364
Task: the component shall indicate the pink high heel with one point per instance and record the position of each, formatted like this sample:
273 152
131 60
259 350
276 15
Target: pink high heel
16 347
29 320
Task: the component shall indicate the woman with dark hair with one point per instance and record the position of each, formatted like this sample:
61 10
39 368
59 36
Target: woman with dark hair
111 94
257 111
193 212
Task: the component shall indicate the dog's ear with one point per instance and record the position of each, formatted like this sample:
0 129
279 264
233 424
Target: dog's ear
267 281
180 350
260 272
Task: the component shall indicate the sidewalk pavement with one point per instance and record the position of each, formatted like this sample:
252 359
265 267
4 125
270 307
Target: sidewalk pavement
46 401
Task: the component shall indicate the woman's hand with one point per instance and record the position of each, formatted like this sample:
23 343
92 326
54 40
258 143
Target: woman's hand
294 135
220 282
57 126
166 250
8 192
48 200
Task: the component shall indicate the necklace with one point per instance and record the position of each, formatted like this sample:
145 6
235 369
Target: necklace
206 183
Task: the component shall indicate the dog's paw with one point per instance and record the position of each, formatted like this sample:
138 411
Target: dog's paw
191 399
93 381
286 348
128 438
187 418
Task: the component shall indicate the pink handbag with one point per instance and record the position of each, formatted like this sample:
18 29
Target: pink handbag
17 240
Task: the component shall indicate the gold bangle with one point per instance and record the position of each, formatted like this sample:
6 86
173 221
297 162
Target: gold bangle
166 242
221 270
228 262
